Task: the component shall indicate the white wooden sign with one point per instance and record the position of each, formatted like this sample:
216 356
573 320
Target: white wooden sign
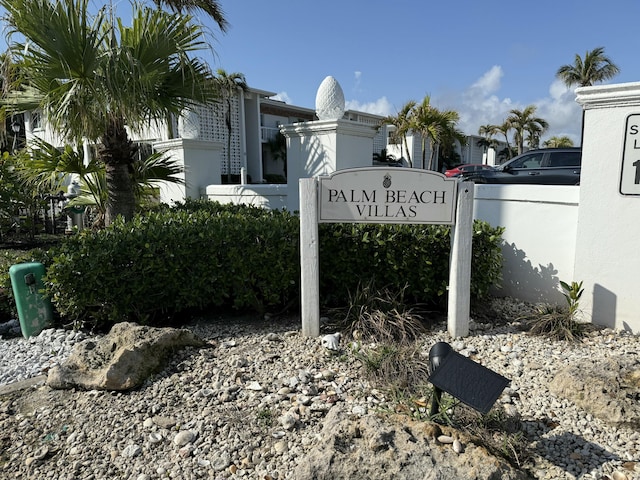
377 195
383 195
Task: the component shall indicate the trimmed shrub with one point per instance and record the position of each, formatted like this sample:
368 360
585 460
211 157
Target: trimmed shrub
169 261
202 254
414 257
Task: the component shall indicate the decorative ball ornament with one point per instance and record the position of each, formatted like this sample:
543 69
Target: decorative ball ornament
330 100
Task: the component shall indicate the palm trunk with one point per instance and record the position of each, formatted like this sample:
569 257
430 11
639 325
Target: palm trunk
117 154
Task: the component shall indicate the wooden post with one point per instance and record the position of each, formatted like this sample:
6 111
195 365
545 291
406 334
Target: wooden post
309 258
460 265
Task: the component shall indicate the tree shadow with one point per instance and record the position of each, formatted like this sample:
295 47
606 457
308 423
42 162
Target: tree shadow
528 282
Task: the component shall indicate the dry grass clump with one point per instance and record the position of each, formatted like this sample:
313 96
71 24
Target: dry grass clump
379 316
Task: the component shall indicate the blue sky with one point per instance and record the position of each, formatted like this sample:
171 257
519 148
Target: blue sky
480 58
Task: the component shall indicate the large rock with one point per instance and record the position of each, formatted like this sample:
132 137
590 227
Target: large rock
122 359
608 388
396 447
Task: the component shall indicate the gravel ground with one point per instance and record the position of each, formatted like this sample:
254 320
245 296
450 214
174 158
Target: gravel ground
252 404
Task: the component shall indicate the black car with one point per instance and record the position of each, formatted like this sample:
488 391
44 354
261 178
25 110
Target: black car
546 166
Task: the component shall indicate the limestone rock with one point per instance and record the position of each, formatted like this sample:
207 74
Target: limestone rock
121 360
608 388
357 448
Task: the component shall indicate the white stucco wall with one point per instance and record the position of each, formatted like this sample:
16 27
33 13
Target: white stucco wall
608 235
203 168
540 229
274 197
323 147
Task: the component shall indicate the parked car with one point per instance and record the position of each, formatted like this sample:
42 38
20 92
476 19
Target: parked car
466 168
545 166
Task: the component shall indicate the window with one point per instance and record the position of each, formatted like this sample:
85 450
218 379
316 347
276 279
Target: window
565 159
528 161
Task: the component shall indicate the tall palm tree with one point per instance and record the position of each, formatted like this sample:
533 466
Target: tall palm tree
448 136
595 67
487 131
93 77
504 129
402 124
523 121
434 126
228 85
425 120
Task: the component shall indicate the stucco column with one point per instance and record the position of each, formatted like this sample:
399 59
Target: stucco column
608 233
202 166
323 147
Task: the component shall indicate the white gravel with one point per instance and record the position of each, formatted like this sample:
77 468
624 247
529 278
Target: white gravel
253 404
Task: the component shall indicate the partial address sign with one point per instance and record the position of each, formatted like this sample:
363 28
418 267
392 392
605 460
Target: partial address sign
387 195
630 172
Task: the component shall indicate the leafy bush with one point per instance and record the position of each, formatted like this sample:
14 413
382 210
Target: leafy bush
201 254
172 260
415 257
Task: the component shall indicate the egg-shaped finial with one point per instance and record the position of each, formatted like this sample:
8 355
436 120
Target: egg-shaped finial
330 100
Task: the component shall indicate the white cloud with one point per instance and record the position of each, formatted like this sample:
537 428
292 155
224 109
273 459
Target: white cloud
283 97
489 82
382 107
481 104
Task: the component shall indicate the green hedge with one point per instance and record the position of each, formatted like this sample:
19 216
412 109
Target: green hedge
202 254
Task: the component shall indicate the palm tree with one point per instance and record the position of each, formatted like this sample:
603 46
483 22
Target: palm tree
595 67
92 77
504 129
210 7
228 85
434 126
48 169
523 121
555 142
424 120
487 131
402 125
449 136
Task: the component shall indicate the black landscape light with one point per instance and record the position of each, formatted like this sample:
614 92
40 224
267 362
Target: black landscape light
471 383
437 354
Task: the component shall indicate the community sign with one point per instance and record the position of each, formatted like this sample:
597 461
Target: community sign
387 195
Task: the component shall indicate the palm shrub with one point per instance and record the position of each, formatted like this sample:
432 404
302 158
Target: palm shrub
559 322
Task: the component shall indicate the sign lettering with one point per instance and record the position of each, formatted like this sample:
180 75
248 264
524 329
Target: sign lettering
379 195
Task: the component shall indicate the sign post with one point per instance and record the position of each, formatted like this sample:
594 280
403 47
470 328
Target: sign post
382 195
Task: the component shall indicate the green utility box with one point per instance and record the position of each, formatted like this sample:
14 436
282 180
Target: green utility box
34 310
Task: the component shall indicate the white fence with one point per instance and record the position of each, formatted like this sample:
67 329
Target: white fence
540 224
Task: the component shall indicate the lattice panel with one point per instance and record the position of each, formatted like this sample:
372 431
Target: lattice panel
213 128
